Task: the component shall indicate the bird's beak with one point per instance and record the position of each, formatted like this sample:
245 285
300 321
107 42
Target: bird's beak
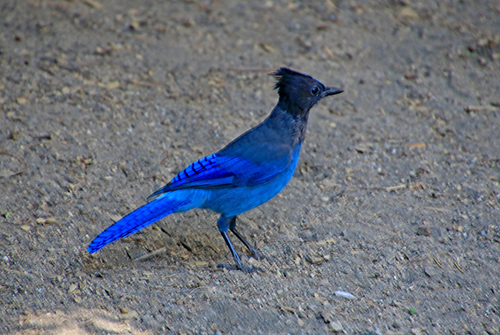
332 91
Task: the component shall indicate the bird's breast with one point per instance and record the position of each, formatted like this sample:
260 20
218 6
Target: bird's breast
236 200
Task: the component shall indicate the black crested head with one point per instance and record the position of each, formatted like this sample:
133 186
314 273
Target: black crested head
300 92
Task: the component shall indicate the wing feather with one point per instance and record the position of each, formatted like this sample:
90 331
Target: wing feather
254 166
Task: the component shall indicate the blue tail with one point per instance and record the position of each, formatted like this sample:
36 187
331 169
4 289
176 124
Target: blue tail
135 221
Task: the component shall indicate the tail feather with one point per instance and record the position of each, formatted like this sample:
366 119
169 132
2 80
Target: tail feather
135 221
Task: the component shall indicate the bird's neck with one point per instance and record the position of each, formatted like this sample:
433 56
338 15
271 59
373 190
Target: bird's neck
289 121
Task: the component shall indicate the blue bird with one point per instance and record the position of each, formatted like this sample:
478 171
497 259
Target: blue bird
249 171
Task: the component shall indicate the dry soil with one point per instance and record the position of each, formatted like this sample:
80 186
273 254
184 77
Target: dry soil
396 199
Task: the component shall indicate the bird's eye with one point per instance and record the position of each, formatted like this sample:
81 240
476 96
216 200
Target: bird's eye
314 90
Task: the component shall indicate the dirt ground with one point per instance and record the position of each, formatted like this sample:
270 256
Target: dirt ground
396 199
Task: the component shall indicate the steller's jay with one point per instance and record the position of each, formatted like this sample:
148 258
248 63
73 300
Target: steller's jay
245 174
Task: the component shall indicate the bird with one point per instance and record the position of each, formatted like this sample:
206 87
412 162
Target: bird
246 173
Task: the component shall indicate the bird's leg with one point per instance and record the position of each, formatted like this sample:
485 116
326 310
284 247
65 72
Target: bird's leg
223 224
237 260
253 251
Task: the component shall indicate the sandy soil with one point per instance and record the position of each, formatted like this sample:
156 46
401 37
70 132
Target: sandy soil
396 199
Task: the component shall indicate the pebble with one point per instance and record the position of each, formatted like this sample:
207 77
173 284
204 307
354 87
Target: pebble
317 259
430 271
72 288
346 295
327 315
131 314
336 327
424 231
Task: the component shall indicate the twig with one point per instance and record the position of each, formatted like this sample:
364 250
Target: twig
11 155
487 108
151 254
248 69
395 188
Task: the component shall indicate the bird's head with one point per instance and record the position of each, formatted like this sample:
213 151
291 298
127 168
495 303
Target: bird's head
298 90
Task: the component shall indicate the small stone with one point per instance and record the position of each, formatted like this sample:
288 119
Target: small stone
395 303
267 47
130 315
482 42
288 309
424 231
325 242
72 288
314 259
409 13
93 3
430 271
317 259
201 263
188 22
327 315
411 76
336 327
346 295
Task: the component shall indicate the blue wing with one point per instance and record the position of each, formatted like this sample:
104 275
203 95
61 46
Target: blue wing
255 165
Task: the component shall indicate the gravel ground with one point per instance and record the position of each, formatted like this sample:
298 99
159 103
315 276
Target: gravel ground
396 199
